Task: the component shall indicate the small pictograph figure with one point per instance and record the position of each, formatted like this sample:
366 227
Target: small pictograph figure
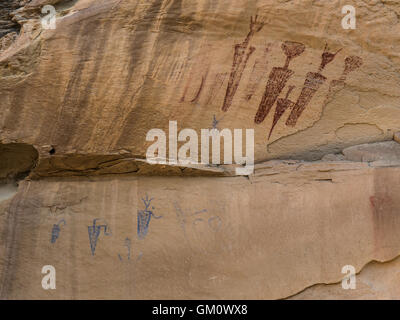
127 244
215 122
94 233
144 217
55 231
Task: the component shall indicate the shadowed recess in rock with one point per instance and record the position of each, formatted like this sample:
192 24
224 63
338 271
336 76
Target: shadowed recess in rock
16 160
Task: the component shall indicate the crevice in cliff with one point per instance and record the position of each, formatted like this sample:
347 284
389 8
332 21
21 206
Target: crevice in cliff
20 160
9 28
359 273
68 165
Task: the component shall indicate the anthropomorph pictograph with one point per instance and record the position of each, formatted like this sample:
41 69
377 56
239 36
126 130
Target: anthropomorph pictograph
277 79
281 106
259 67
241 56
144 217
314 80
351 64
94 233
55 231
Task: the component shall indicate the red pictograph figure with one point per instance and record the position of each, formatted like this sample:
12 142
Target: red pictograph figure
314 80
278 79
203 80
240 58
281 106
216 86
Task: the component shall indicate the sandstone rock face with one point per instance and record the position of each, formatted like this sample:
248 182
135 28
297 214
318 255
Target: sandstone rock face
6 24
373 152
267 237
375 281
112 70
397 137
76 191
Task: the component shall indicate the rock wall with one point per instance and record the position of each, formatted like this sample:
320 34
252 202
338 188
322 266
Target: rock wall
267 237
77 101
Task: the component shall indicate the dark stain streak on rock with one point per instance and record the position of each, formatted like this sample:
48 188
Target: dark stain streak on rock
129 121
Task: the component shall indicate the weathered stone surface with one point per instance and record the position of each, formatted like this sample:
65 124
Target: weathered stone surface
112 70
7 190
6 23
7 40
388 151
77 102
229 237
375 281
333 157
397 137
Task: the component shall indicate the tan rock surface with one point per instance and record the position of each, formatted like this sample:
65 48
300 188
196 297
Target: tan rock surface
76 104
397 137
376 281
267 237
389 151
112 70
